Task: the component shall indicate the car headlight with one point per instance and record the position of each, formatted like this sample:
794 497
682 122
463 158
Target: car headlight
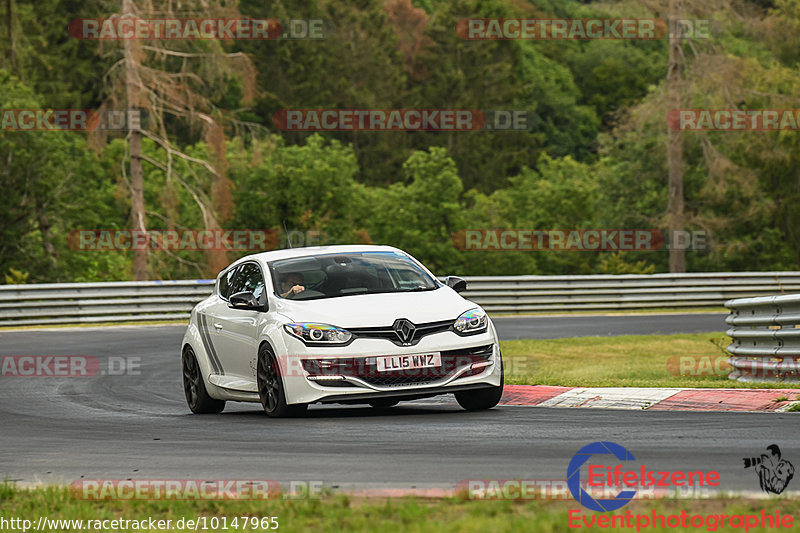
312 333
472 321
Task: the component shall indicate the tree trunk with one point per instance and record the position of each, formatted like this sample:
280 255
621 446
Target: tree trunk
12 53
47 237
677 252
137 180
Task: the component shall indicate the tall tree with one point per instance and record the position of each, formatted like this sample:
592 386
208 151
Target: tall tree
677 254
174 82
12 53
132 49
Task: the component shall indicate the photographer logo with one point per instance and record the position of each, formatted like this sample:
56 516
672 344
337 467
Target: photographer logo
774 473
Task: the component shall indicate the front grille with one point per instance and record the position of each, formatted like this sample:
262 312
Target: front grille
485 351
336 384
386 332
400 381
365 368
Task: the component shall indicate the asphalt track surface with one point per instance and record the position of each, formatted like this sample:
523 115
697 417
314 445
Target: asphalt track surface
138 426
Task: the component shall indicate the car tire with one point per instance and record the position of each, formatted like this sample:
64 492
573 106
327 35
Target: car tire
383 404
195 389
476 400
270 387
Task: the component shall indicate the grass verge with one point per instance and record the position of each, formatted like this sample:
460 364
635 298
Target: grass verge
681 360
342 513
623 312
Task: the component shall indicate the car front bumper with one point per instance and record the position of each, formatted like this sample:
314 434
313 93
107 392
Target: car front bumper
349 373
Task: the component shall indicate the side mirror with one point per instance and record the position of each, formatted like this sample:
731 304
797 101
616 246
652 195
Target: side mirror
245 300
456 283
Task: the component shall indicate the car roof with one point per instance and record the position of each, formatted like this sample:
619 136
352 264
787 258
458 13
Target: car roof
290 253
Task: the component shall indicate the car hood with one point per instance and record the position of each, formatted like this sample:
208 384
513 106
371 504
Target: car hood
374 310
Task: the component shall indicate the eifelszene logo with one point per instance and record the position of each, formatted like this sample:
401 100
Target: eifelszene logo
608 477
574 476
774 473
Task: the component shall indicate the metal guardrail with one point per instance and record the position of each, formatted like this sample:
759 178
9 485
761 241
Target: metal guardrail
519 294
75 303
70 303
766 338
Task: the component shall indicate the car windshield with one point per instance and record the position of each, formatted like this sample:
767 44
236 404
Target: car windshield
333 275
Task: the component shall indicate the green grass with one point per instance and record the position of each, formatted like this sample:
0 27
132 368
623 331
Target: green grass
626 361
665 310
648 311
339 512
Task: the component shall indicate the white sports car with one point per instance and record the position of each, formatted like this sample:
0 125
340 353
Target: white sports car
337 324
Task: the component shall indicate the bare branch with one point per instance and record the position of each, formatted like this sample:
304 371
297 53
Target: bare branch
164 144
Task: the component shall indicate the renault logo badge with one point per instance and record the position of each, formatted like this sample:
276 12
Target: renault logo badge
404 329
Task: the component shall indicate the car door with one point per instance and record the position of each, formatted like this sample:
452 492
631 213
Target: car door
237 329
208 320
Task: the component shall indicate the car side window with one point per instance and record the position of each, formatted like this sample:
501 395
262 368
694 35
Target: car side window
225 282
249 279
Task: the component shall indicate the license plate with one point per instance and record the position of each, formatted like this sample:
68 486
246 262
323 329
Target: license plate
391 363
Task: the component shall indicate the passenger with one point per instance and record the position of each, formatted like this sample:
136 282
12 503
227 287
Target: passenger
291 284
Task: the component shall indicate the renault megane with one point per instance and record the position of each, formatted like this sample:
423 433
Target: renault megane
337 324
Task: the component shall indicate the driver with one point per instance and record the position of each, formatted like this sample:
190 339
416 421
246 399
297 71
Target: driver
291 284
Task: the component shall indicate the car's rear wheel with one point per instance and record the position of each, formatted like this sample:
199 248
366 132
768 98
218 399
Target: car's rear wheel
384 403
270 387
195 389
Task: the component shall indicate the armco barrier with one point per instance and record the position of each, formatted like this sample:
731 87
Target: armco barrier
766 338
71 303
68 303
519 294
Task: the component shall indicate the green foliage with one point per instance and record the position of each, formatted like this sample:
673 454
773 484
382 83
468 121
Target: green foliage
613 75
16 277
594 156
615 263
420 215
52 184
310 187
65 71
333 513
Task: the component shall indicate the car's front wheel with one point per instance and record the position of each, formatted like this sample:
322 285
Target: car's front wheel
195 390
383 403
475 400
270 387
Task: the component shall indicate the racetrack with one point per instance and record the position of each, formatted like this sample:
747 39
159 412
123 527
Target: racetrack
138 426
